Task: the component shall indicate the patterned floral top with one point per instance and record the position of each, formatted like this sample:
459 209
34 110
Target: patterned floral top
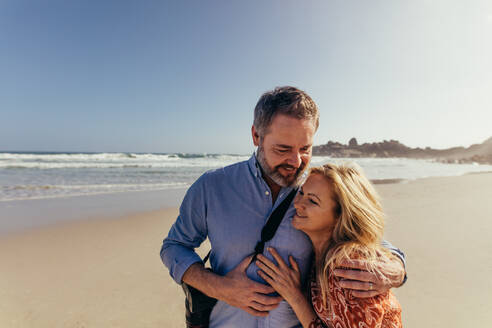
346 311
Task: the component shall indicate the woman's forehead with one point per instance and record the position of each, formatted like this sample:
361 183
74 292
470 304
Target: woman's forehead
319 182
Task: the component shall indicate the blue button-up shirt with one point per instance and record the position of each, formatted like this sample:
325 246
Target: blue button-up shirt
230 206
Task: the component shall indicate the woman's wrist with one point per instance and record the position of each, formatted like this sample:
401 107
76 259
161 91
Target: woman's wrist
302 308
296 298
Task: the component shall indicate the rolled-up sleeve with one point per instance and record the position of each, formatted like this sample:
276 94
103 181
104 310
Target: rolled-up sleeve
400 254
187 233
395 251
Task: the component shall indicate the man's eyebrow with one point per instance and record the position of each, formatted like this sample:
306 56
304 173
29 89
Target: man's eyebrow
314 195
283 146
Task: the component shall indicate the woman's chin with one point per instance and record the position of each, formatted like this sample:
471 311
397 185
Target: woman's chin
297 222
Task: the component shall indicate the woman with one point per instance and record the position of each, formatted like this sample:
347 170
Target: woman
339 210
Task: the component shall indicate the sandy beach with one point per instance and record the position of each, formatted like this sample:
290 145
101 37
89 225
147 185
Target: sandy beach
107 272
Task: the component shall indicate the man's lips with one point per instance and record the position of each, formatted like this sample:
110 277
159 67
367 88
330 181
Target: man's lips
288 168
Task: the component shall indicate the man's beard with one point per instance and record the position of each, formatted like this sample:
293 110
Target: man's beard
293 180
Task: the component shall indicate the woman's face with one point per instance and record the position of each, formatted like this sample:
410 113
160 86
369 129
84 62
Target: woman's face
315 206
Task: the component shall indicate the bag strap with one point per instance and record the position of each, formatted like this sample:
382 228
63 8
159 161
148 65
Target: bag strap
270 227
273 223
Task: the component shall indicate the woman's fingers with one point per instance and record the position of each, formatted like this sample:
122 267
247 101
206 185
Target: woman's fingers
277 257
294 265
267 262
267 278
266 269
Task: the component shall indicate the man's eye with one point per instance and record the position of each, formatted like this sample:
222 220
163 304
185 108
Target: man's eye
312 201
282 150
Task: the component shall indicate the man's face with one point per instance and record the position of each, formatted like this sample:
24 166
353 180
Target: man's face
285 150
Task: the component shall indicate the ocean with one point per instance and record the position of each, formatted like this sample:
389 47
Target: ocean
39 175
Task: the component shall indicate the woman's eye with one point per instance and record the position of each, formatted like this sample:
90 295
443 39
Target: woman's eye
312 201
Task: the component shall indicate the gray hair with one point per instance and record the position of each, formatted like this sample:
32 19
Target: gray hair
288 101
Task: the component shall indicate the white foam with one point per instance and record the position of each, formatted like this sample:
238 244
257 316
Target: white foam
34 176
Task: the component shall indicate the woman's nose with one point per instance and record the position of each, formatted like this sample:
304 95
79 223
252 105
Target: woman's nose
297 200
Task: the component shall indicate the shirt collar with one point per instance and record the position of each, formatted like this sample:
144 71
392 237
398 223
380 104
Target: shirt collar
254 166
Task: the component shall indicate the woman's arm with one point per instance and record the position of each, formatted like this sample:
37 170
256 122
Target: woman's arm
345 310
287 282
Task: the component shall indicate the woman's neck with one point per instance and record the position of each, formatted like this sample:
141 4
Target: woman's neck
320 244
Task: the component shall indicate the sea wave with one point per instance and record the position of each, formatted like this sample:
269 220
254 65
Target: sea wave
114 160
109 156
47 175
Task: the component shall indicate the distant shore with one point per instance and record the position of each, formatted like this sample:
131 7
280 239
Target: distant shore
106 272
477 153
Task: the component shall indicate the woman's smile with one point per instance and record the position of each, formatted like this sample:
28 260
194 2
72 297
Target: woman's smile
314 206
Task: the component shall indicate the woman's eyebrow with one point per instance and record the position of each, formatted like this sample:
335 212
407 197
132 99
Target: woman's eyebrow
314 195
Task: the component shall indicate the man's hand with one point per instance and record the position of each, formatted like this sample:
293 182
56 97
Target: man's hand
366 284
240 291
235 288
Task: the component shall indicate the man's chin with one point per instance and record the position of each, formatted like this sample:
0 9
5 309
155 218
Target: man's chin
286 181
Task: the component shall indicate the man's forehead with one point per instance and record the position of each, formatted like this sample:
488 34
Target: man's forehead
289 135
282 121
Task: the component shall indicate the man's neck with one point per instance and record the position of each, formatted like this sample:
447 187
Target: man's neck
274 188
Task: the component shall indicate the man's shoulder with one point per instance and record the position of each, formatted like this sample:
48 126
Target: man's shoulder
231 171
224 176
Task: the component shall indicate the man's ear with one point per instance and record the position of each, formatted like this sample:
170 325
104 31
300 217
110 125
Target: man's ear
255 135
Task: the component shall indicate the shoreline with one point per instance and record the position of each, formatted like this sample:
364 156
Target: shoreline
21 215
25 214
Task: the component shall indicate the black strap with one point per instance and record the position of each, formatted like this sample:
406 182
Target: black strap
270 227
273 222
205 259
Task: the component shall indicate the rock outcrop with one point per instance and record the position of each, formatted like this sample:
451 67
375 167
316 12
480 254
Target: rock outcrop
478 153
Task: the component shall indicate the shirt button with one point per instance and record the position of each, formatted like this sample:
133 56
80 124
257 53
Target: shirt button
267 193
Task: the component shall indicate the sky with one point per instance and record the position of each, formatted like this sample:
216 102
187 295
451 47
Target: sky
184 76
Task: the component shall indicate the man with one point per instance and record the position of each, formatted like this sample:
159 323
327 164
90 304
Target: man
230 206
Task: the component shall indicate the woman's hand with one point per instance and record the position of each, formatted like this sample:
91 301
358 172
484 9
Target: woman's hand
284 279
287 282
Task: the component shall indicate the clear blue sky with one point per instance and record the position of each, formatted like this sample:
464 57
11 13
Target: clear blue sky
184 76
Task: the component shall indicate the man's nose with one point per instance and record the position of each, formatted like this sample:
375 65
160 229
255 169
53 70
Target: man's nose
295 160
